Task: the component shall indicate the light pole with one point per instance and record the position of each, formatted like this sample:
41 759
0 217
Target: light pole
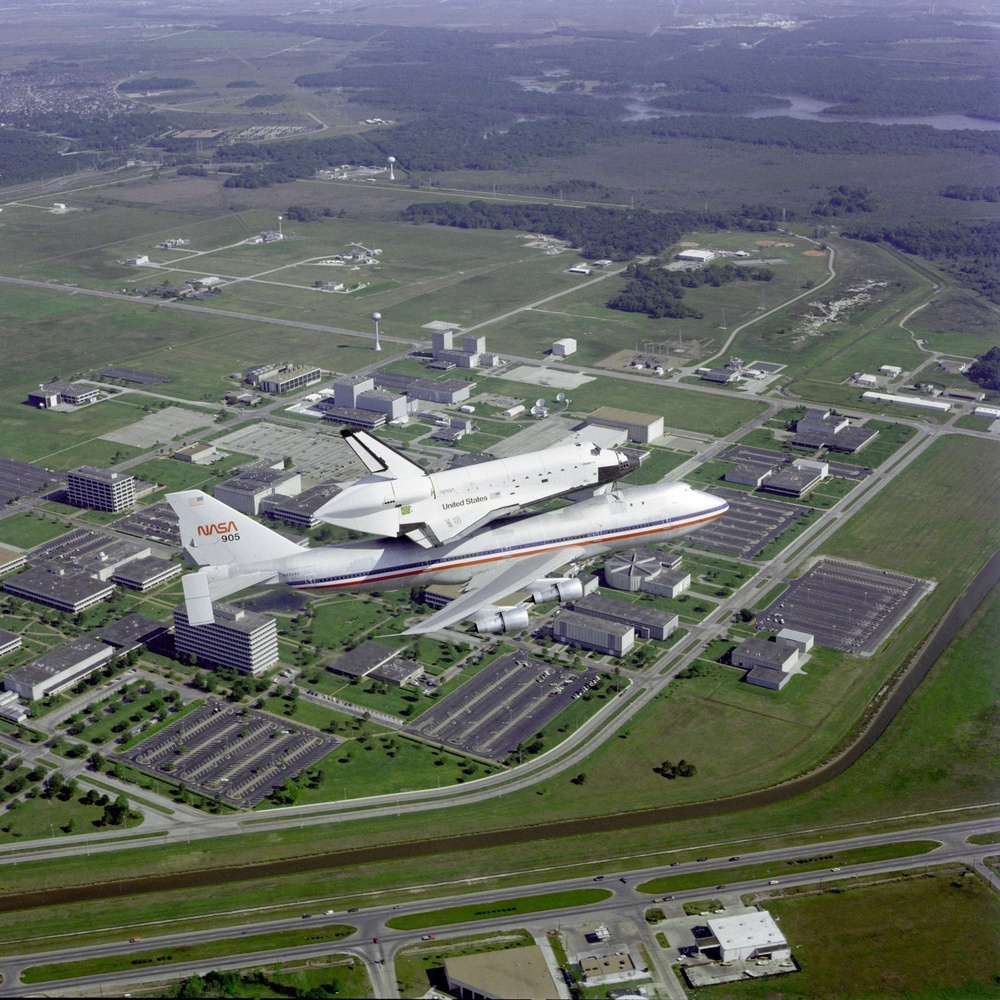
377 316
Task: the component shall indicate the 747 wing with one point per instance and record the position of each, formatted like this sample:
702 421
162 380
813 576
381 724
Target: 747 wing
485 590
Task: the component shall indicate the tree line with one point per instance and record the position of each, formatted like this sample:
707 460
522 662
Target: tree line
659 293
969 251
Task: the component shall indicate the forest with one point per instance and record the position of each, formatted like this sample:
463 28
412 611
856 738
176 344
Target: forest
970 252
658 293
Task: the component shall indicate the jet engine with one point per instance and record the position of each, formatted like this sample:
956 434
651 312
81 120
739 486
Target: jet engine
557 590
512 620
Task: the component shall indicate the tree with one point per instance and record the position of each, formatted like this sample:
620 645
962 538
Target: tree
580 779
985 370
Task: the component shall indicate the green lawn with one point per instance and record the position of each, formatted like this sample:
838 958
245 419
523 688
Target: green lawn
28 530
486 911
160 957
869 942
777 869
423 964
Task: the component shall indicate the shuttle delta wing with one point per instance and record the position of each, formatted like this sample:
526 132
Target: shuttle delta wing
485 589
379 457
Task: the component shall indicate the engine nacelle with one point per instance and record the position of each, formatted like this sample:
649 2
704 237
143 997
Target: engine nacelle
559 590
505 621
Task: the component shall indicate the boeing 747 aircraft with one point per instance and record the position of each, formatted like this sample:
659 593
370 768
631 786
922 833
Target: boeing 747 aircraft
235 552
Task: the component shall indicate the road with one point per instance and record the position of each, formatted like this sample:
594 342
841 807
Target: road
626 904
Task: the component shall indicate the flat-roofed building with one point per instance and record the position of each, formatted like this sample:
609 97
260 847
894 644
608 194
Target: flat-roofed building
792 481
131 632
70 393
245 491
916 401
641 427
58 669
649 623
696 256
382 401
804 640
347 389
14 711
826 429
362 660
198 453
100 489
299 511
611 637
511 974
779 654
11 559
354 416
58 587
723 376
145 574
286 378
749 474
647 571
747 936
397 672
243 640
603 970
10 642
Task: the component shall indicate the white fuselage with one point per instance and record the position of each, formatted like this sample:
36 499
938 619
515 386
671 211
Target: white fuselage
442 506
617 520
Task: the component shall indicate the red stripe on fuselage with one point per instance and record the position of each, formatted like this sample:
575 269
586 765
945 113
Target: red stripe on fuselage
375 578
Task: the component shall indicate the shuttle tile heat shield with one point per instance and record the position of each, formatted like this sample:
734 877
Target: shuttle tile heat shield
399 499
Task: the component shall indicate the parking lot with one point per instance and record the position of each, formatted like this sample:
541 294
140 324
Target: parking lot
845 605
230 753
324 453
751 524
504 705
766 456
157 523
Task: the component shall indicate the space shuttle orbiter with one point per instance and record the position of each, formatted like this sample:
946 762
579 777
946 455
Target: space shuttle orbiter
400 499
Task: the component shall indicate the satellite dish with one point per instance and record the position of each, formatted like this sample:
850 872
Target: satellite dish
539 402
560 397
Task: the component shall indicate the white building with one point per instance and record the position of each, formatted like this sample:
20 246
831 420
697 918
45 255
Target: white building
564 348
58 669
696 256
100 489
243 640
917 401
748 936
613 638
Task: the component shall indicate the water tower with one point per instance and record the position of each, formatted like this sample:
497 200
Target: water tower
377 316
392 160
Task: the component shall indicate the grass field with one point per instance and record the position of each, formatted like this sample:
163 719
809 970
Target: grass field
504 908
161 957
419 964
939 754
776 869
874 941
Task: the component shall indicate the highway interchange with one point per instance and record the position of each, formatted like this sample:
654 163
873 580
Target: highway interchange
375 944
